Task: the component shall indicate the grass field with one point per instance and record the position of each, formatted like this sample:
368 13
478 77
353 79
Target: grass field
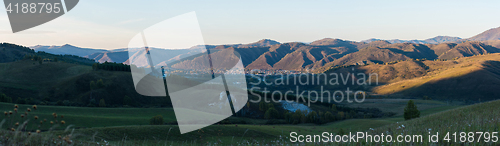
130 126
483 117
84 117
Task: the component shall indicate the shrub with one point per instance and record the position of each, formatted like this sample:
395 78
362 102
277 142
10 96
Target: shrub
411 111
156 120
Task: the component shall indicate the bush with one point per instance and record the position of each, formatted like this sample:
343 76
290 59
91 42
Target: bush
156 120
411 111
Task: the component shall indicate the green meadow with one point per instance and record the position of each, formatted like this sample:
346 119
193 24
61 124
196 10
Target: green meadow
130 126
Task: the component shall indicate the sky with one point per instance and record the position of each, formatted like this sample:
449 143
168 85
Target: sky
111 24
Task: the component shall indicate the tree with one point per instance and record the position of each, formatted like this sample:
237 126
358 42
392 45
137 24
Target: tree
269 105
99 83
411 111
102 103
20 101
94 66
128 101
334 108
296 116
352 114
329 117
262 106
60 103
288 117
312 116
5 98
92 85
271 113
321 117
341 115
156 120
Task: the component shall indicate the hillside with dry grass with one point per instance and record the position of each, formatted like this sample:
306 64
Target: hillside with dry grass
472 78
467 79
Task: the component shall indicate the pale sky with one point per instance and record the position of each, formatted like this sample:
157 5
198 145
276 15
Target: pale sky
111 24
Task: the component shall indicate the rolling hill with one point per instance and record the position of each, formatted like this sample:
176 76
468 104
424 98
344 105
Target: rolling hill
109 56
468 79
465 49
12 52
53 82
472 78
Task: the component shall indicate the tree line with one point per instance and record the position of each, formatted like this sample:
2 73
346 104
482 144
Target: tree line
111 66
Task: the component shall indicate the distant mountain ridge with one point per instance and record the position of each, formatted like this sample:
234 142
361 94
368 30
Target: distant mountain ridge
67 50
434 40
323 53
491 34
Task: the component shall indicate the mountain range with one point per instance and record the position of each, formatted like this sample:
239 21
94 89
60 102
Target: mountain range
320 54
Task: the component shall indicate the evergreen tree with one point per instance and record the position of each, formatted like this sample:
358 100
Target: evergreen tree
411 111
